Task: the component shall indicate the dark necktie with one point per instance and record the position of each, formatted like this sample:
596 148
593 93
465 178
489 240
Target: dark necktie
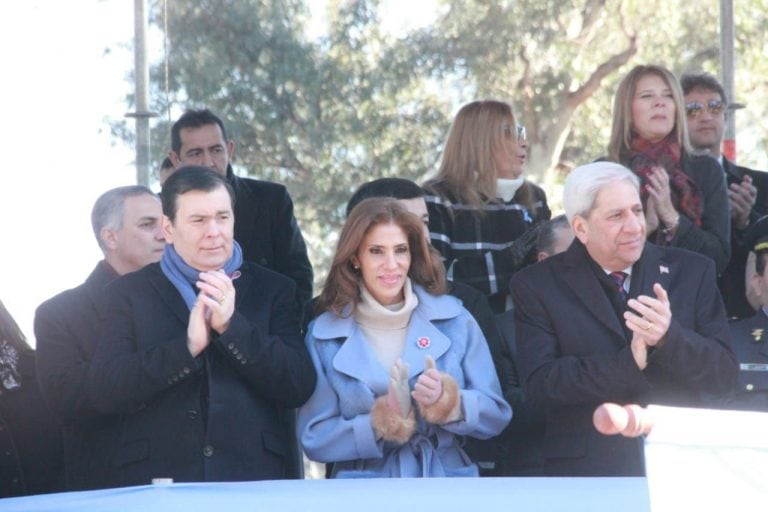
619 278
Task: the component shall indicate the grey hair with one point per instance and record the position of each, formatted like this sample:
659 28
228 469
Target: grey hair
108 210
584 182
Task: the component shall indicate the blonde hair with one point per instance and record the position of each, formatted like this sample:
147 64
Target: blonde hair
467 168
621 129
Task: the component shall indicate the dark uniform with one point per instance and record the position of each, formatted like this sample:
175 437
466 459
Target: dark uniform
750 344
750 338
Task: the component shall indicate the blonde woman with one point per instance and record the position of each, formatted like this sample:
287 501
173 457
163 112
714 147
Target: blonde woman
684 195
481 207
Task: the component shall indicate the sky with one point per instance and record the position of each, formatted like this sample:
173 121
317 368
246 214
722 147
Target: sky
65 70
59 85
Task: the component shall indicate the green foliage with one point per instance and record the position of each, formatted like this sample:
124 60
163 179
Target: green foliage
325 115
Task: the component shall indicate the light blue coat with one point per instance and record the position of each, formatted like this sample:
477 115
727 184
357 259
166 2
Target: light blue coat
335 424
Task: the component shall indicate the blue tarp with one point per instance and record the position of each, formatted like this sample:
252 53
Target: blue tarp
374 495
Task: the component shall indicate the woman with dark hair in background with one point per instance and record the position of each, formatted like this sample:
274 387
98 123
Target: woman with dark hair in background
403 369
684 196
30 438
481 208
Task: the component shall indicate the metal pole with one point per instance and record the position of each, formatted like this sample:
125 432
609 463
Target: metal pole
141 72
727 61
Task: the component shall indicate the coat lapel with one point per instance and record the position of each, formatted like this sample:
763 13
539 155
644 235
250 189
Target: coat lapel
652 268
423 339
169 294
580 277
356 359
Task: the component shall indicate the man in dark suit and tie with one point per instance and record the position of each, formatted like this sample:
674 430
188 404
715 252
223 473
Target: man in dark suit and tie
706 106
126 223
615 319
201 355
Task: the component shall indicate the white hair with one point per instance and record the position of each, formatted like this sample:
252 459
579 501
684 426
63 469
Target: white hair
584 183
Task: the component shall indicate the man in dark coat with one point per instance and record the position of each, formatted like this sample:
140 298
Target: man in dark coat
582 343
265 226
126 223
203 358
706 106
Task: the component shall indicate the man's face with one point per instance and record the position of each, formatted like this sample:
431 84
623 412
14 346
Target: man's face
704 127
418 207
203 229
140 240
204 146
614 232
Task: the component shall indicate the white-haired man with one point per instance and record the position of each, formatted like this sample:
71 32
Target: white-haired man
615 319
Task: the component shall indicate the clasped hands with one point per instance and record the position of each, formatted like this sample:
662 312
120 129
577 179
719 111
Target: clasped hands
659 208
741 197
427 390
436 394
649 322
213 309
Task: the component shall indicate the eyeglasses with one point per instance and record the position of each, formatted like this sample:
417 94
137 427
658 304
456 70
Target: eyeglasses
694 108
522 136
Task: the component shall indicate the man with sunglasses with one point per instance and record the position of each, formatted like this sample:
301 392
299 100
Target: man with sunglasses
706 106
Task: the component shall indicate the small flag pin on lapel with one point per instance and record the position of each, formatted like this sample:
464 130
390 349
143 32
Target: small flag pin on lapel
663 269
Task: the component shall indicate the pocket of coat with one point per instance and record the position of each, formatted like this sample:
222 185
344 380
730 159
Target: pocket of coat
133 451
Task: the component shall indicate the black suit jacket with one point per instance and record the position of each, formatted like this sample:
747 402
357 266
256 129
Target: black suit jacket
731 283
267 231
574 352
67 329
224 415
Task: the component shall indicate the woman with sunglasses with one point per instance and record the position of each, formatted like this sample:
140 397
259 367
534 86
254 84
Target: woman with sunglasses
482 211
684 195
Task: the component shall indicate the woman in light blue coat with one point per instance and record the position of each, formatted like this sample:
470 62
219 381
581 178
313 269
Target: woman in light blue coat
404 371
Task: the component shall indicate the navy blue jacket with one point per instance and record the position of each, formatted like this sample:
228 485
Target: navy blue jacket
574 352
267 231
225 415
67 329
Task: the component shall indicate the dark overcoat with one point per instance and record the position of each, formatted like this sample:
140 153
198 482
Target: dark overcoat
574 351
225 415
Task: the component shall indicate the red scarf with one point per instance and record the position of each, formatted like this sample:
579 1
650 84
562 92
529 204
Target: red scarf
645 155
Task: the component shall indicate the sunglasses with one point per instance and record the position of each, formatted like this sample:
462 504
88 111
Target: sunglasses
695 108
522 135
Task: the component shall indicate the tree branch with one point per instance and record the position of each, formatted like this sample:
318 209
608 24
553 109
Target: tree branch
589 17
588 88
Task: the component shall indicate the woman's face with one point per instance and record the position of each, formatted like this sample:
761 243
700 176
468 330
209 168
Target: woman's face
509 157
384 259
653 108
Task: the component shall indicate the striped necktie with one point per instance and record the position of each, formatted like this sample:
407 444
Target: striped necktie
619 278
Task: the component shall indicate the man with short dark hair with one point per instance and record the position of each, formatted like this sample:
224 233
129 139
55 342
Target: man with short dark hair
266 227
706 107
615 319
555 236
126 224
203 358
